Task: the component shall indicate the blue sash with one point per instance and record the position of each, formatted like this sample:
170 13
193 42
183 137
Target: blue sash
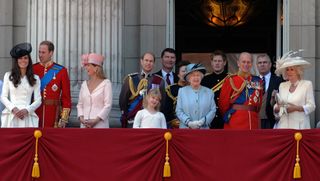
49 75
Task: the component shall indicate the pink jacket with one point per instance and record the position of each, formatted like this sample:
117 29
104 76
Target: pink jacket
98 103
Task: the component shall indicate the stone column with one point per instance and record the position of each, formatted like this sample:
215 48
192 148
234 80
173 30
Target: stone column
77 27
317 60
303 36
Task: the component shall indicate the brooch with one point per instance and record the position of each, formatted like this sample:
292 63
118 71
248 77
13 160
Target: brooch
54 87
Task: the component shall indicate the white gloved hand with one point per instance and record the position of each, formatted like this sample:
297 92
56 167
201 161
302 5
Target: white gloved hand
193 124
200 122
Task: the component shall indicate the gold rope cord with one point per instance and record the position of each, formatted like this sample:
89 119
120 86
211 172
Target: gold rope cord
236 90
218 86
166 168
168 91
36 169
297 169
143 84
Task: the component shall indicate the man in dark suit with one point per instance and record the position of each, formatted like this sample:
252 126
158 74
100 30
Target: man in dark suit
271 84
168 60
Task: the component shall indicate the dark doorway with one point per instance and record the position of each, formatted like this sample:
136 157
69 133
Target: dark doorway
194 35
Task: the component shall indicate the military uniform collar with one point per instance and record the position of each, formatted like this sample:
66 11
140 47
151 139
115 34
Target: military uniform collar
49 64
244 74
143 74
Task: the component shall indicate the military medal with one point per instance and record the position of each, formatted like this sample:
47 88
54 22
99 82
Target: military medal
54 87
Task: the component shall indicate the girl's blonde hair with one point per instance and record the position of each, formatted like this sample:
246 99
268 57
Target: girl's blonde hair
152 93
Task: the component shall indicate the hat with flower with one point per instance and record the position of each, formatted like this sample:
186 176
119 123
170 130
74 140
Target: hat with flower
290 59
194 67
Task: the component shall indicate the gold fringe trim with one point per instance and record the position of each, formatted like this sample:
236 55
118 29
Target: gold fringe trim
297 169
36 169
166 168
143 84
65 114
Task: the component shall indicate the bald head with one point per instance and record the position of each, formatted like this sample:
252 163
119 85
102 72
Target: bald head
245 62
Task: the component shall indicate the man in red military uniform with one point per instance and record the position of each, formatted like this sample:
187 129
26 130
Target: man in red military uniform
241 97
55 89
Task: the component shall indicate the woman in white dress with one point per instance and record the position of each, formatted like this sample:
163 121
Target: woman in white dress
95 98
21 90
295 100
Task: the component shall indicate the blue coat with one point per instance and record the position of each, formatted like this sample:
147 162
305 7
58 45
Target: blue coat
194 105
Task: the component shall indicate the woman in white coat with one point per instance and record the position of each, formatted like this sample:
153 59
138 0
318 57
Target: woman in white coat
21 90
95 98
295 100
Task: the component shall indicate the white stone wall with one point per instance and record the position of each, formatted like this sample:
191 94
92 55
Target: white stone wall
144 30
12 30
317 59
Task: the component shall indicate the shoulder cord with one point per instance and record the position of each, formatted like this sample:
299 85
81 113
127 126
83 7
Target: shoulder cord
143 84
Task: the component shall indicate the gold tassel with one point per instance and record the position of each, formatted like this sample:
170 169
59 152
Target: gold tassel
36 168
297 169
166 168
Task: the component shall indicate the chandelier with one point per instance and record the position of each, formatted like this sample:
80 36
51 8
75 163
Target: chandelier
227 13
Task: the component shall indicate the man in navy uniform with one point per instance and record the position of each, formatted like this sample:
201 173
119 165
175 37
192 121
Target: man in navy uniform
135 87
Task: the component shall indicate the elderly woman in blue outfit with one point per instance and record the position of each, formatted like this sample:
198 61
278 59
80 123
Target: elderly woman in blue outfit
195 104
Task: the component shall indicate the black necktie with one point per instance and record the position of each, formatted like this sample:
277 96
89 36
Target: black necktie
168 79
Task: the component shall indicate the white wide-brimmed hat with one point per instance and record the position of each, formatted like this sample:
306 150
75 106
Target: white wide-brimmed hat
194 67
290 59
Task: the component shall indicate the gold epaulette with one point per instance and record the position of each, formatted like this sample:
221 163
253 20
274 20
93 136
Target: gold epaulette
129 75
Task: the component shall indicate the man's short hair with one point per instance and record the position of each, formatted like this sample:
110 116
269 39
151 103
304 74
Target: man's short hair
49 44
150 53
219 52
170 50
264 56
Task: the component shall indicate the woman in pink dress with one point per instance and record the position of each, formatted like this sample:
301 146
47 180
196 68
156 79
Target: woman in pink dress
95 98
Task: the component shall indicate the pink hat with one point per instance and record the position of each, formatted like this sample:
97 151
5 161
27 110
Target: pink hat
92 58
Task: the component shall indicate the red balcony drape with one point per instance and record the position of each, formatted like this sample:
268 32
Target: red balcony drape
139 154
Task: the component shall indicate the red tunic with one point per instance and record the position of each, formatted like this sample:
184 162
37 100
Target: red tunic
55 96
244 94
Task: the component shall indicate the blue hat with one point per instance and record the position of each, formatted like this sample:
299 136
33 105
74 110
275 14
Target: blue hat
20 50
194 67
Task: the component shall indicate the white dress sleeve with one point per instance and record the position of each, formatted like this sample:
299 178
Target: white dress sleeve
36 96
310 105
107 101
138 119
6 93
80 100
163 121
